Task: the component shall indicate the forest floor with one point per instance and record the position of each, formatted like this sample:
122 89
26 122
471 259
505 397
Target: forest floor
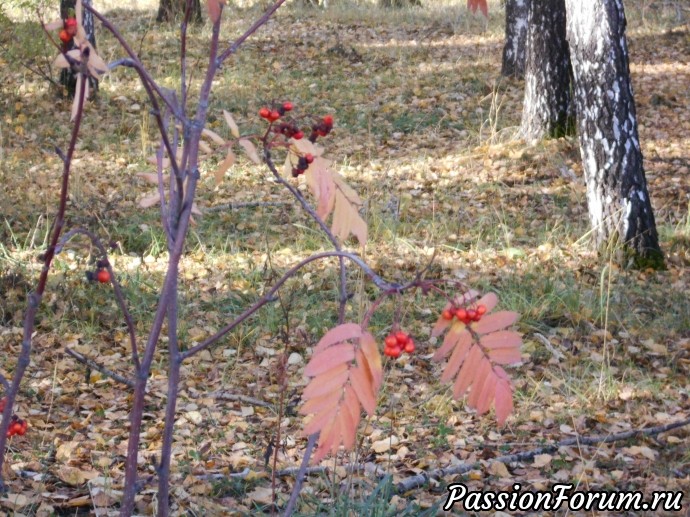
426 133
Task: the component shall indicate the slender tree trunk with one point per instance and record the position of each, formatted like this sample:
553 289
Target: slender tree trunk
547 109
620 209
168 10
516 35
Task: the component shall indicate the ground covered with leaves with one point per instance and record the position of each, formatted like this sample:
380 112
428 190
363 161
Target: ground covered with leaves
425 132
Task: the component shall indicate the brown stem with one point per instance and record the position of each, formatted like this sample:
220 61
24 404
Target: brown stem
301 474
34 299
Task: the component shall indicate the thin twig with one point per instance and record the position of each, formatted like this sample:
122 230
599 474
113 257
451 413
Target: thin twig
119 295
422 479
301 474
251 204
95 366
5 383
232 397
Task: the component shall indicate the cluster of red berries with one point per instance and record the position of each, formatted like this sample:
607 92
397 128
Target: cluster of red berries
302 164
69 30
17 425
397 343
273 114
466 316
321 128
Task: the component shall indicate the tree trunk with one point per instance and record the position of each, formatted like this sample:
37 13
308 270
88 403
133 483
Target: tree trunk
516 35
169 10
547 109
67 78
620 209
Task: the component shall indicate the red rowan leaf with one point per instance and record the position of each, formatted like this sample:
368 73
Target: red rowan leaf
320 420
496 321
338 335
505 355
351 404
326 360
482 372
472 5
487 395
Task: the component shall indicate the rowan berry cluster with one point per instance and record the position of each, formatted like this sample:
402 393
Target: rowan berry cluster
464 315
302 164
17 425
321 128
69 30
397 343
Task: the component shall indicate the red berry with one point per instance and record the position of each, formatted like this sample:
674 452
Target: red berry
103 276
70 22
446 314
409 347
401 337
65 37
273 116
394 352
471 314
309 157
328 120
481 310
287 106
461 314
298 135
390 341
264 113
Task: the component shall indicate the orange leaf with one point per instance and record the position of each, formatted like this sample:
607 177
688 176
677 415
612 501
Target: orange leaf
457 330
323 403
466 375
361 384
495 321
472 5
487 394
463 344
373 359
320 420
328 359
338 335
503 397
480 376
320 181
501 339
326 382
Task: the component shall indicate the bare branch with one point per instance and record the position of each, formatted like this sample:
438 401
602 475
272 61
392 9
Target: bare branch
95 366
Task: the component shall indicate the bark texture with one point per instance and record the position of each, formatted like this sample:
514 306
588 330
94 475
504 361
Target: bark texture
169 10
620 209
547 109
516 36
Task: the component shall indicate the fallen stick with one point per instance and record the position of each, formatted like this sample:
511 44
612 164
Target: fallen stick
95 366
422 479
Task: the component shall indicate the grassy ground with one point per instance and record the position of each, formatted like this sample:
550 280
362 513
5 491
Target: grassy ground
425 131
